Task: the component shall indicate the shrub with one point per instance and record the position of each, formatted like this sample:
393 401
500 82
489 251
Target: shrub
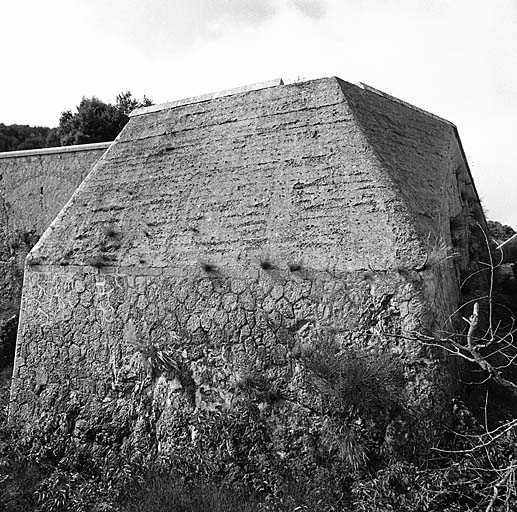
354 381
81 459
361 394
164 492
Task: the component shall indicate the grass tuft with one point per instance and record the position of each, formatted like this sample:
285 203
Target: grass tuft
209 268
97 261
265 264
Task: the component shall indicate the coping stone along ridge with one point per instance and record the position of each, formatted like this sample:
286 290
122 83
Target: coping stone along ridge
58 149
206 97
405 103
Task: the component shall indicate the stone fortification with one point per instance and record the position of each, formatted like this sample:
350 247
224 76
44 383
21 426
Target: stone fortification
36 183
34 186
227 232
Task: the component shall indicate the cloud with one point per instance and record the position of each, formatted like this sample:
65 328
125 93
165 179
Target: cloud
159 27
162 26
314 9
246 11
455 59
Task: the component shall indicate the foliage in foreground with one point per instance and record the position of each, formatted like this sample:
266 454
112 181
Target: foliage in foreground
88 459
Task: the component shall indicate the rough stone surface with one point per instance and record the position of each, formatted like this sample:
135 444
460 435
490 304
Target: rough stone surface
34 186
223 232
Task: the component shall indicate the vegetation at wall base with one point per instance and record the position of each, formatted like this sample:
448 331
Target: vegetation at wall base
86 459
269 449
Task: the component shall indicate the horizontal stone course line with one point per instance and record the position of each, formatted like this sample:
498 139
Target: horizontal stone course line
245 120
206 97
59 149
228 272
124 270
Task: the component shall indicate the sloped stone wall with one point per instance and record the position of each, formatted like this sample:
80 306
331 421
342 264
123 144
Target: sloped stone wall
214 240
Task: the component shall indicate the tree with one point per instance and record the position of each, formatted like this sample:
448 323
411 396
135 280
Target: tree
94 121
17 137
126 103
499 232
485 453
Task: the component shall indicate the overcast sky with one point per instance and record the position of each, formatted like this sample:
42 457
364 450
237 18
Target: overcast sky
455 58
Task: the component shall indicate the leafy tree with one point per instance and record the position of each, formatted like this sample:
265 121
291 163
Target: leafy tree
94 121
126 103
17 136
499 232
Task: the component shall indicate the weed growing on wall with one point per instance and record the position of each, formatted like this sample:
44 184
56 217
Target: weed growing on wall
437 252
209 268
295 266
360 403
97 261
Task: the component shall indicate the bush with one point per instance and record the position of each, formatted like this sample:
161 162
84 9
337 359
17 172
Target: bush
165 492
361 399
260 455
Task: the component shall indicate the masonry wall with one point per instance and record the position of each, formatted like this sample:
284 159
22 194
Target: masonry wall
34 186
222 238
90 332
